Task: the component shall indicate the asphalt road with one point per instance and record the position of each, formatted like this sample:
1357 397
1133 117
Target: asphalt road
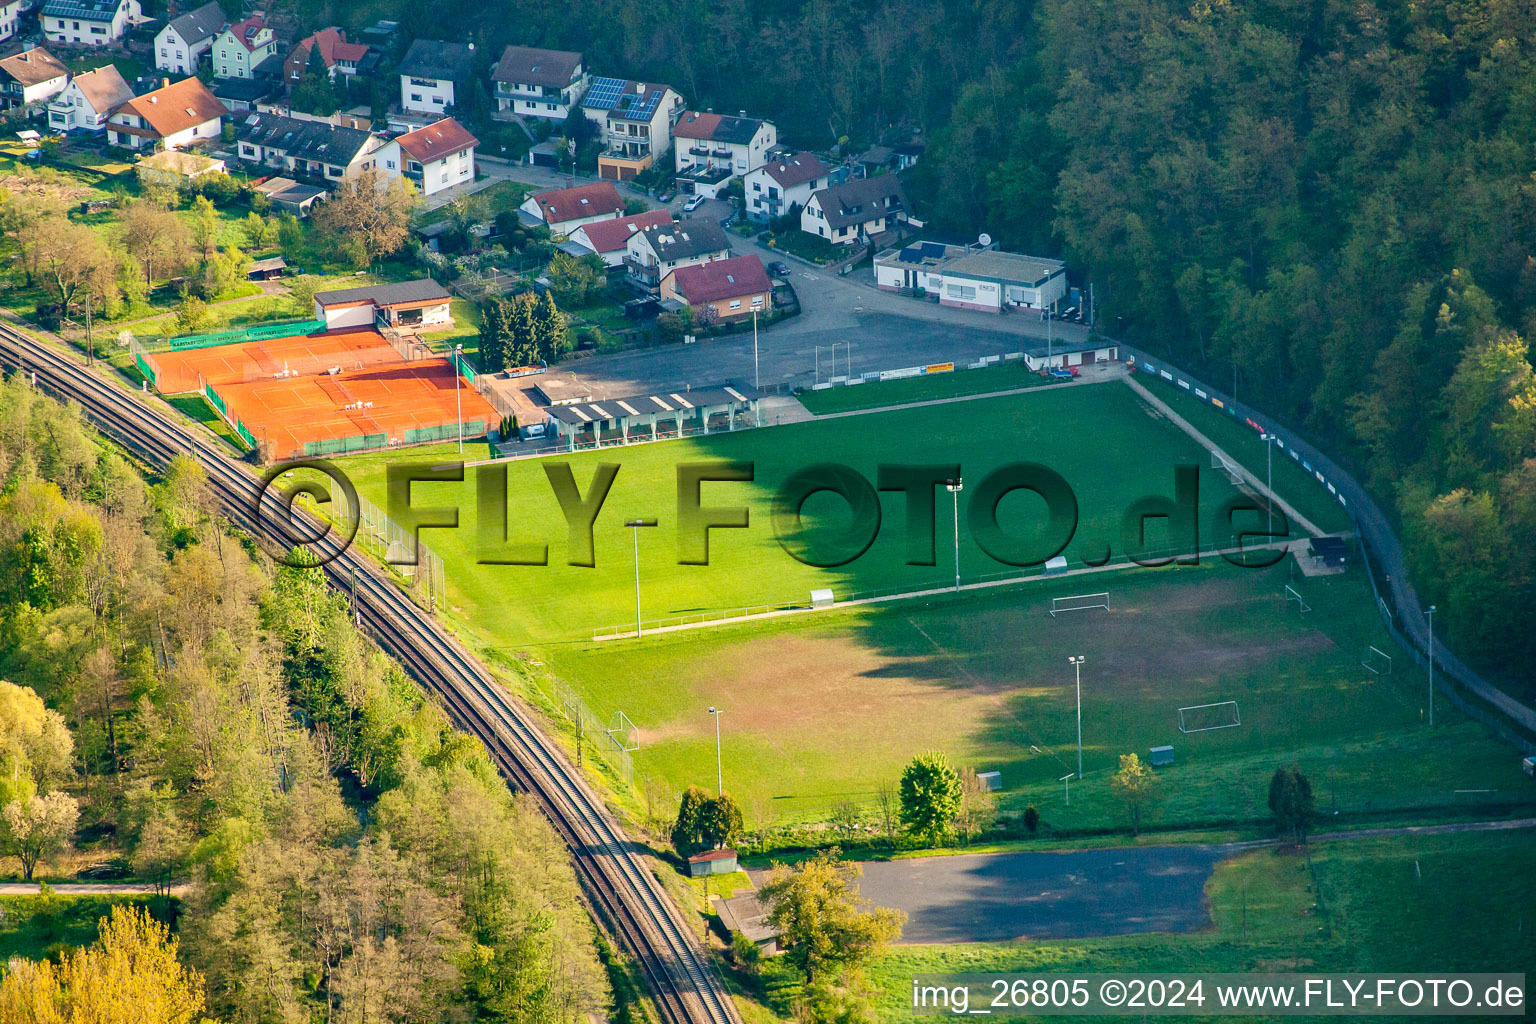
1073 895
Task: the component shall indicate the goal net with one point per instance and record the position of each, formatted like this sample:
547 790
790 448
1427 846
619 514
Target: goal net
1079 603
1205 717
1291 595
1221 463
624 732
1378 661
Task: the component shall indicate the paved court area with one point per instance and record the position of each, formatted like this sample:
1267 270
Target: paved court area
1071 895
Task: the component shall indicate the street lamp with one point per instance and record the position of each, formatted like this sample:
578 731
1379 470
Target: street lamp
458 371
757 380
634 526
1077 666
954 487
1431 666
719 786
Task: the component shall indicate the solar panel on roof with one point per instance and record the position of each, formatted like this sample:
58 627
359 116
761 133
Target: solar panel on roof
911 254
933 250
604 93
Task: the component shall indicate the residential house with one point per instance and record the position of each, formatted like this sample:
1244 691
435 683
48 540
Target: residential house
412 304
609 239
654 252
729 288
711 149
29 77
530 82
856 210
780 184
171 117
438 156
881 159
434 76
10 18
311 149
566 209
339 56
241 48
88 100
634 121
184 40
88 22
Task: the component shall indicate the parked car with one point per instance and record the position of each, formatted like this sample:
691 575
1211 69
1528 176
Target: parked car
778 268
664 198
693 204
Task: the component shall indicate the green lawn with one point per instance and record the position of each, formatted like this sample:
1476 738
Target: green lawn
1432 903
1242 443
493 199
520 604
36 926
925 388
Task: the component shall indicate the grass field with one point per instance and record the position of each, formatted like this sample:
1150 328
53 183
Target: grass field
1358 906
926 388
512 605
34 926
826 708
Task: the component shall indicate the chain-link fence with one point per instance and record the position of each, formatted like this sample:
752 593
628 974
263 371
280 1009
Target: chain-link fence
610 742
388 541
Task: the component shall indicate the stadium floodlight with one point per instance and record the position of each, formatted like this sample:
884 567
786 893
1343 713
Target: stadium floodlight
1077 666
1431 666
458 371
955 486
1269 472
719 784
634 526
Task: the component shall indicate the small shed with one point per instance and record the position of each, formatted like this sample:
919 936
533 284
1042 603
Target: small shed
712 862
821 598
174 167
268 269
1329 551
430 234
746 915
992 780
1056 566
1160 757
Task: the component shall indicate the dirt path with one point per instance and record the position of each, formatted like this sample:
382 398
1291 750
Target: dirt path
88 888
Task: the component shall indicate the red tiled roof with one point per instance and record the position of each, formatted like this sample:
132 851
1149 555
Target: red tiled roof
176 107
567 204
709 855
694 125
611 235
333 47
246 31
436 140
722 279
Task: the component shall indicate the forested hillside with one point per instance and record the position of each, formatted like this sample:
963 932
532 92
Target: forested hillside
177 711
1333 197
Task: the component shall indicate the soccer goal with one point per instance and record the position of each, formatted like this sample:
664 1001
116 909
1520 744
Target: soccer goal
1205 717
1291 594
1079 603
1225 465
623 732
1377 660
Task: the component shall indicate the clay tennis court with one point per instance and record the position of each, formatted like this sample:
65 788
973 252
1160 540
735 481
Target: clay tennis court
327 393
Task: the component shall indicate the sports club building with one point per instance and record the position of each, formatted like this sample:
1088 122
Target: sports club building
972 278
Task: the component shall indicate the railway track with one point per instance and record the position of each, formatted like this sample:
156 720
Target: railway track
618 885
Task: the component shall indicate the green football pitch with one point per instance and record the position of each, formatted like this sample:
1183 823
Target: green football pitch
823 708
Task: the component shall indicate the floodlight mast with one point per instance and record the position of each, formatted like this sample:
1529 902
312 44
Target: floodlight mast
1077 667
955 486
